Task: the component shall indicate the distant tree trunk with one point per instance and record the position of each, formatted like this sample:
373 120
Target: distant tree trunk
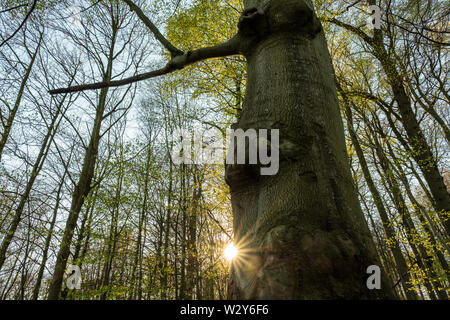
37 286
301 232
192 267
425 225
410 230
38 164
84 228
87 238
83 186
184 212
110 253
142 214
440 234
6 285
421 151
113 232
13 111
24 270
428 232
390 233
429 107
164 275
175 251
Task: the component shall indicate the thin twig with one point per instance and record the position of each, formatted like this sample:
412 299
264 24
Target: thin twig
158 35
21 25
13 8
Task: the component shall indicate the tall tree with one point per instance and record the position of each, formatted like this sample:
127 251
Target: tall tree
114 18
421 150
301 232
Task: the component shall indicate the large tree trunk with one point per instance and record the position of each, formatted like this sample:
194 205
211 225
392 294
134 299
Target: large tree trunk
301 233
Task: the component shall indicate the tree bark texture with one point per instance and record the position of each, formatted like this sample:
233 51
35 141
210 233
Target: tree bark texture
301 233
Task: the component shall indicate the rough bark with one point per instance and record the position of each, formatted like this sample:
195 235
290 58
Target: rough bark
301 232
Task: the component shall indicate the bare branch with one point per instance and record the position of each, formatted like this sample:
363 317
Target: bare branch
352 5
228 48
158 35
22 24
357 31
419 33
13 8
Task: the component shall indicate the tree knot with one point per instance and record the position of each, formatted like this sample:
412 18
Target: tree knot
252 21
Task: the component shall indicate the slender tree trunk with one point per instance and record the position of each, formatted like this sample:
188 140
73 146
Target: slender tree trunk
88 235
39 162
83 186
192 268
24 271
384 255
6 285
165 272
183 293
113 233
140 226
37 287
422 153
84 228
410 230
175 263
390 233
440 234
425 225
66 294
15 108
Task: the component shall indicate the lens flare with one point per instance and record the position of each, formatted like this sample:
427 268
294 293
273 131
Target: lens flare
230 252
